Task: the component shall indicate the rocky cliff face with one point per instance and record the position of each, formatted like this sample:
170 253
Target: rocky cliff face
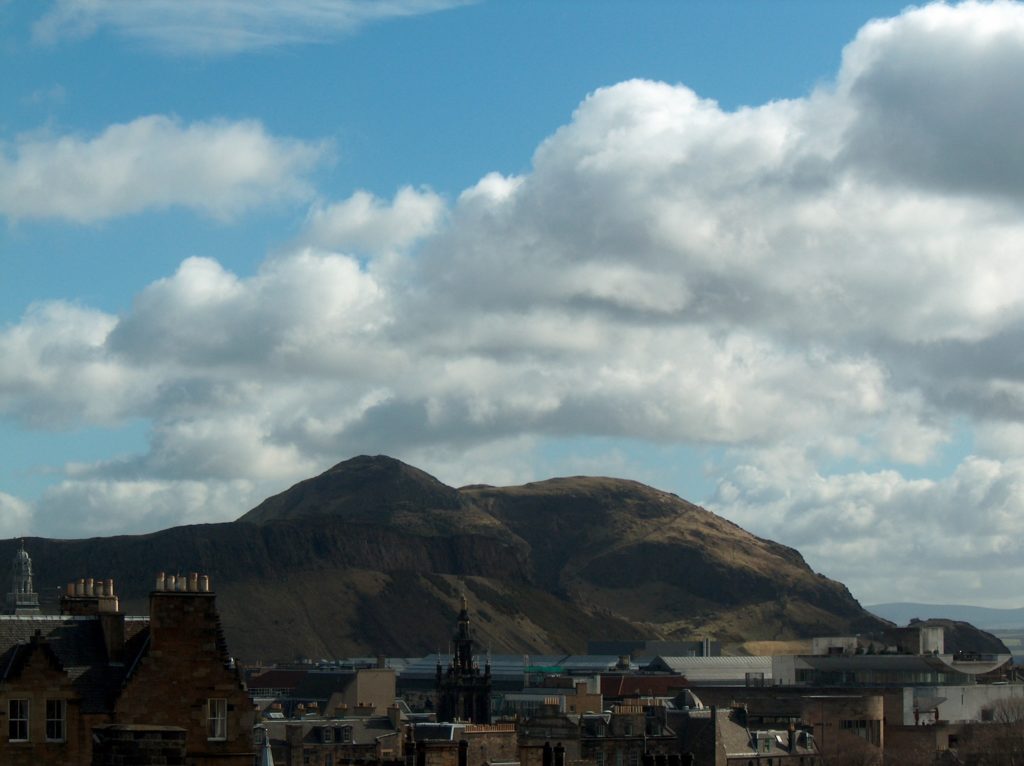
372 556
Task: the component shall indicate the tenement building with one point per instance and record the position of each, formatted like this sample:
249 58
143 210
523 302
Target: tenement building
92 686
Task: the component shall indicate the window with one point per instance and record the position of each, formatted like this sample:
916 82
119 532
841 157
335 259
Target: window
17 720
327 734
56 720
216 718
634 758
599 758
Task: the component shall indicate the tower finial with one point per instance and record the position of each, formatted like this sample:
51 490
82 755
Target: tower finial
22 598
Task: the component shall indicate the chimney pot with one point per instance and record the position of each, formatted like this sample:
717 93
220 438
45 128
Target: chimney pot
193 582
204 583
90 587
160 578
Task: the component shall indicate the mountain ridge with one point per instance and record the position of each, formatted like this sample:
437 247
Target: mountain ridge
372 556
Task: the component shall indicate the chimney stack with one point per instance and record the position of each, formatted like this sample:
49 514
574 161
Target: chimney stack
181 608
89 596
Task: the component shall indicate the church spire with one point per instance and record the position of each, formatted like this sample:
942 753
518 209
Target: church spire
464 693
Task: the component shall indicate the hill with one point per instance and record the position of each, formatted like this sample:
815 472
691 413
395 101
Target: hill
981 617
372 556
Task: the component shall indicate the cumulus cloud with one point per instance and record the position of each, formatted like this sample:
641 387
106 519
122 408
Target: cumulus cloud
786 283
218 168
58 372
894 537
364 222
224 26
15 516
916 113
90 508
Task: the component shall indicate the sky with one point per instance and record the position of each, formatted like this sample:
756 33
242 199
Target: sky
764 255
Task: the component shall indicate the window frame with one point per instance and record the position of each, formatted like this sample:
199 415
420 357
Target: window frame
23 720
216 719
61 719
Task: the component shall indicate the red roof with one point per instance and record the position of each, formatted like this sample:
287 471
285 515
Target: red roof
614 687
277 679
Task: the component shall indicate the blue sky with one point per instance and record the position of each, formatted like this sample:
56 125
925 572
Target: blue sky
760 254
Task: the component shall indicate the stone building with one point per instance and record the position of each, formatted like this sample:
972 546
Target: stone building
90 684
331 741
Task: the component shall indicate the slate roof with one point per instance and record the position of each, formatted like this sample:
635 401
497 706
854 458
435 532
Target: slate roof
75 645
277 679
365 730
714 670
516 665
320 686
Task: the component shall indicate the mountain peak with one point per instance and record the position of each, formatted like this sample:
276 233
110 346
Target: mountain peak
366 486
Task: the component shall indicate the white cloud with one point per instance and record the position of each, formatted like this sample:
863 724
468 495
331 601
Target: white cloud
224 26
890 537
58 372
302 312
366 223
15 516
218 168
919 85
769 280
90 508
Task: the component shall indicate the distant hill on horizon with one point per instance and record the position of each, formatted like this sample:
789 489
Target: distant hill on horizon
373 555
982 617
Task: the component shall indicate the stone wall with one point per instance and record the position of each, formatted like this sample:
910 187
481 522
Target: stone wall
185 667
125 745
